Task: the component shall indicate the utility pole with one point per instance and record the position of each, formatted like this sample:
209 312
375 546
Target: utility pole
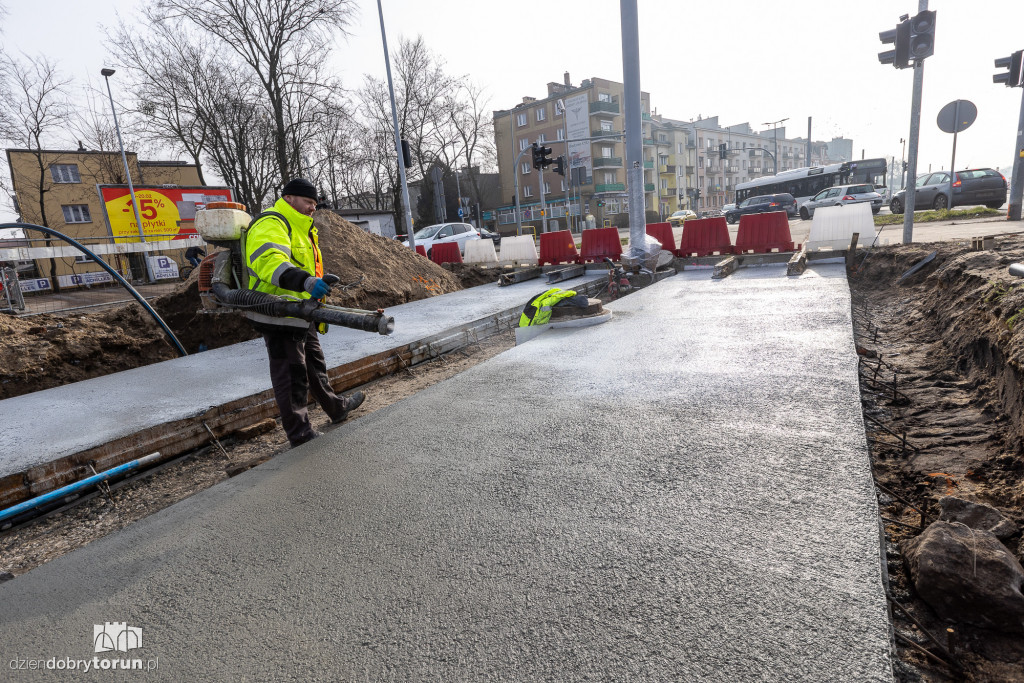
634 123
398 134
915 133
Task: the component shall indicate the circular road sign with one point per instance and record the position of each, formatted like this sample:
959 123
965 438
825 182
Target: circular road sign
460 213
948 120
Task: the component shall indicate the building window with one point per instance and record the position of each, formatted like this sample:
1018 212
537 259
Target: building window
525 168
527 191
561 133
76 213
523 144
700 142
65 173
558 108
540 138
606 126
679 148
541 113
82 258
609 178
662 137
562 181
606 152
521 120
604 97
547 188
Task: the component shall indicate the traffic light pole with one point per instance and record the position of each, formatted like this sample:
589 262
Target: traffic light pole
915 133
1017 188
543 201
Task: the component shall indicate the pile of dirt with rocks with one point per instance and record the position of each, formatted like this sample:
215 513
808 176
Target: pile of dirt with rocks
45 351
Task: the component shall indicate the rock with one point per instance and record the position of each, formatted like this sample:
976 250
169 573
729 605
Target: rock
6 576
967 575
976 516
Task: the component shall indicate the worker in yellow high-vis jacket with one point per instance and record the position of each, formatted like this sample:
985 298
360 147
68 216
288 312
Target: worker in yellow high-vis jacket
282 257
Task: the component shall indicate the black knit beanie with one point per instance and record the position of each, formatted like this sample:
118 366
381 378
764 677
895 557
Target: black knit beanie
300 187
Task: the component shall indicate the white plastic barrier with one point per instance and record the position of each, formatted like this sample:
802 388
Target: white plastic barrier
833 226
520 249
480 251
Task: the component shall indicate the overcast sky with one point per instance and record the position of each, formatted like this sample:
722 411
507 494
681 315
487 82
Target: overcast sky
742 60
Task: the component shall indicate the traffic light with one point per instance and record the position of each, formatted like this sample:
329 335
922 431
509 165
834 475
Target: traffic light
560 166
722 150
1014 77
600 203
922 35
540 156
899 38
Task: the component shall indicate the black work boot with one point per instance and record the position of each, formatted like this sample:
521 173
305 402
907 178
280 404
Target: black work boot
352 401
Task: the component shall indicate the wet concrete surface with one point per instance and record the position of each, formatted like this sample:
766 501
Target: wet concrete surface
680 494
43 426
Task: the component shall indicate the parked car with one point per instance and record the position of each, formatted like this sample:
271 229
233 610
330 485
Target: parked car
764 203
488 234
975 186
728 207
679 217
445 232
840 195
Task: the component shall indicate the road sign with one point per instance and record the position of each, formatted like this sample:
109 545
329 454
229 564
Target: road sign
460 213
957 116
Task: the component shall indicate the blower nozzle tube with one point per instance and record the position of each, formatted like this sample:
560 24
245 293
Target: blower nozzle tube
308 309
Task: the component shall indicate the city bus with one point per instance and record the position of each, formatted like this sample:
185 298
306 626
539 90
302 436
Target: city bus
804 183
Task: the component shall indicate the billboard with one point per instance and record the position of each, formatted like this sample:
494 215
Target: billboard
577 126
167 212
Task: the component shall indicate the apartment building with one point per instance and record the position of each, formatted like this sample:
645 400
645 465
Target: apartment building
682 164
585 123
69 180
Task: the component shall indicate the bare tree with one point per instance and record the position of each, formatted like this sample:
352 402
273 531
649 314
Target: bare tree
36 110
95 130
278 41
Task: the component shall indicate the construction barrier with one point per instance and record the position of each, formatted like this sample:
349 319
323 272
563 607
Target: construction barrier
599 244
558 247
663 233
519 250
445 252
480 251
420 250
705 237
763 232
833 226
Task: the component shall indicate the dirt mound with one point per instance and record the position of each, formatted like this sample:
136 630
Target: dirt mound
45 351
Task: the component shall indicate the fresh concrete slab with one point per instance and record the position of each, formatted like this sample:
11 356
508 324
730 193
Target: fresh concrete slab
44 426
680 494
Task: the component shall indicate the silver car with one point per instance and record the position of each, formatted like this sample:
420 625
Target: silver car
842 194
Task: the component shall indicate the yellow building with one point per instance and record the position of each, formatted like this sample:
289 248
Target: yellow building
68 182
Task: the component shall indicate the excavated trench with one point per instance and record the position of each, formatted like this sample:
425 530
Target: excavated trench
941 367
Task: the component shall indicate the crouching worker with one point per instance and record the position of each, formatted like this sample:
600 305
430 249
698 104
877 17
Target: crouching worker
283 258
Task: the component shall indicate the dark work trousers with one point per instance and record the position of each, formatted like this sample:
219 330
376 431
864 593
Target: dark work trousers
297 366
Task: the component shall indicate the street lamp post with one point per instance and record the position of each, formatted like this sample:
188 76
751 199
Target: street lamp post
775 135
107 73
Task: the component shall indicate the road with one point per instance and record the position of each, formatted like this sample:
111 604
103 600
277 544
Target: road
680 494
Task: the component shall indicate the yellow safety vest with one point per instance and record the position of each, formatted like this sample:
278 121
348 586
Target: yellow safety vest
538 309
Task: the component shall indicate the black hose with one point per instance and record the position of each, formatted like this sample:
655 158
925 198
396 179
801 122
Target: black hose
117 276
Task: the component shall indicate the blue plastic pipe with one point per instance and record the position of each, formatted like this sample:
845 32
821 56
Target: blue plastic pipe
84 483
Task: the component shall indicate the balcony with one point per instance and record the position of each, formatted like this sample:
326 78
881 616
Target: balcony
645 116
668 192
648 141
604 108
607 162
602 132
732 169
648 187
610 187
648 164
667 168
689 170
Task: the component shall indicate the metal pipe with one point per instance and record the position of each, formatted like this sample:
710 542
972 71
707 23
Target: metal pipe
38 501
117 276
634 124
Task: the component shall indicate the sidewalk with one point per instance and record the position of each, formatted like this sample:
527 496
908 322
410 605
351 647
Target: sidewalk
680 494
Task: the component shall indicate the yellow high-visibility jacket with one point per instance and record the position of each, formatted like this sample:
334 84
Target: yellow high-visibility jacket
280 252
538 309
